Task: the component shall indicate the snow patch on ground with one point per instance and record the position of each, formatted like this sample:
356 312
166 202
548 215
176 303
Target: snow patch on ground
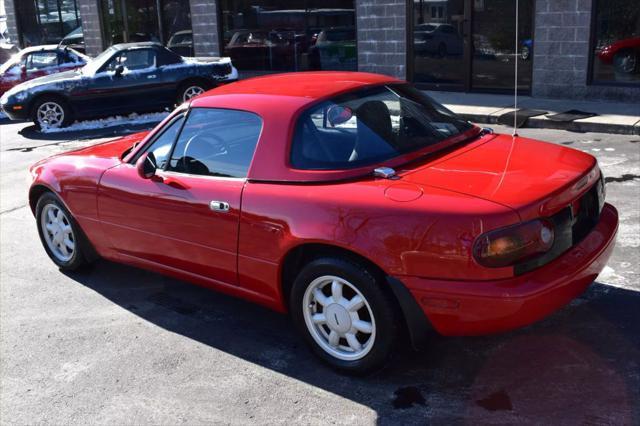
118 120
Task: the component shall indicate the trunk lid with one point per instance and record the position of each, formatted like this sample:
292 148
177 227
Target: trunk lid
534 178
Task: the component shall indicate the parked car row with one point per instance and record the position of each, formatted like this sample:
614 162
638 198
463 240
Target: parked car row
125 78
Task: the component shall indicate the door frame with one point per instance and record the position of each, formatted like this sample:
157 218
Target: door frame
467 58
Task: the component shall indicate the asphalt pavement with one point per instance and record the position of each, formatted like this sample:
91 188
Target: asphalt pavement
117 345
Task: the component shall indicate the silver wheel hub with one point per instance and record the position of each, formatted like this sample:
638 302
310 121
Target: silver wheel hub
191 92
50 114
57 232
339 318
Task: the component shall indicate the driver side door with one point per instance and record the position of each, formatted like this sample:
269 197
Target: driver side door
186 217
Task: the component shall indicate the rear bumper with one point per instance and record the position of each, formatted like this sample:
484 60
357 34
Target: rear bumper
459 308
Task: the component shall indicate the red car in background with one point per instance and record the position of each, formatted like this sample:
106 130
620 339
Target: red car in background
624 55
38 61
352 200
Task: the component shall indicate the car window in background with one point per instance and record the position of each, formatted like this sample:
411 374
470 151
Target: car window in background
39 60
162 145
216 142
369 126
133 60
95 64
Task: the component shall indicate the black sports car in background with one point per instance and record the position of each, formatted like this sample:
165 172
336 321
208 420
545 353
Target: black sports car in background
125 78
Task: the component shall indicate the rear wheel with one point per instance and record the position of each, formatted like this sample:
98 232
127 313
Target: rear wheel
60 235
190 90
344 315
51 113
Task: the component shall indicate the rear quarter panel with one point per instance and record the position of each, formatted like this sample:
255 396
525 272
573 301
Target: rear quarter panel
430 236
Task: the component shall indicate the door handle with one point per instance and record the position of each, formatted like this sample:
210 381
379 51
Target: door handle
219 206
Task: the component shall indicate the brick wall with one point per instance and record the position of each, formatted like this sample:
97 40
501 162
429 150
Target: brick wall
91 26
204 22
382 39
561 53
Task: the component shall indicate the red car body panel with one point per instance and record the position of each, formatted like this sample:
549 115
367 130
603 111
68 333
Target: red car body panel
607 53
419 228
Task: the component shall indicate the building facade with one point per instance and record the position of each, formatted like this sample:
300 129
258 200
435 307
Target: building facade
580 49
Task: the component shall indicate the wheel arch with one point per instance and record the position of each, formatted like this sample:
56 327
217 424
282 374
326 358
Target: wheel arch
416 323
52 94
35 192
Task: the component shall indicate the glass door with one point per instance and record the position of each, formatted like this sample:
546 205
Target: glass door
440 43
469 45
493 59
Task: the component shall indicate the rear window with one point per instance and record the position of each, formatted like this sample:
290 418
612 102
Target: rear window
370 126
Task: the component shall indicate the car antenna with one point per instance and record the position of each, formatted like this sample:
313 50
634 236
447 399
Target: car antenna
515 84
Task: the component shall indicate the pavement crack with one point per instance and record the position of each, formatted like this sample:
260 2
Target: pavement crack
13 209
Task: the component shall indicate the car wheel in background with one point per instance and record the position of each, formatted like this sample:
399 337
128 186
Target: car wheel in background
344 314
51 112
190 90
626 61
60 235
442 50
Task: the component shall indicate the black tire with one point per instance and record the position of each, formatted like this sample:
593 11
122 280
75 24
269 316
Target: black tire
626 61
80 254
55 100
442 50
185 87
385 315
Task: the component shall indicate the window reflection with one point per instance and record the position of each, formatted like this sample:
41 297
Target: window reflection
46 21
616 54
266 36
493 58
140 21
438 43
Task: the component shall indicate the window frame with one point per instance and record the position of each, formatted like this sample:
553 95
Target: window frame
591 80
29 59
185 115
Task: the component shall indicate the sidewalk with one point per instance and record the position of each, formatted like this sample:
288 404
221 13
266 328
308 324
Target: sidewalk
613 117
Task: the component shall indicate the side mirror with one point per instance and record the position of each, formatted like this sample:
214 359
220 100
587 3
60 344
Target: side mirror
119 70
146 165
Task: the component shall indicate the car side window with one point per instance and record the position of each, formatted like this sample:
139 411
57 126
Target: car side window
216 142
161 147
133 60
39 60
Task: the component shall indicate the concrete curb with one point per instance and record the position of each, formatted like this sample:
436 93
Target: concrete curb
541 122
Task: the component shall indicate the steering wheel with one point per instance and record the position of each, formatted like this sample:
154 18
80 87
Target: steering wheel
202 136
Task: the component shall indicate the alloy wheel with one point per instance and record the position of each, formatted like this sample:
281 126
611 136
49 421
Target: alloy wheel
191 91
339 318
57 232
50 114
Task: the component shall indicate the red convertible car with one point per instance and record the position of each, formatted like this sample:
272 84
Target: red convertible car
351 200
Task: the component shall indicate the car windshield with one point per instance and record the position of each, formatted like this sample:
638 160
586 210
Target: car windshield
95 64
371 126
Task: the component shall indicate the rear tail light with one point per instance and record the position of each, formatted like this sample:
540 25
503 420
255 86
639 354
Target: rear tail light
515 244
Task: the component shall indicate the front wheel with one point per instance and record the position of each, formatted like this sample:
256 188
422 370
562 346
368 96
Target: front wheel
51 113
345 316
60 235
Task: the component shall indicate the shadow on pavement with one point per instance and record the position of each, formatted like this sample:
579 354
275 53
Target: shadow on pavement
581 365
31 132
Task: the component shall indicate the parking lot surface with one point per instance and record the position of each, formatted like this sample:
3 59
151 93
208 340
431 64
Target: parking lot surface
117 345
